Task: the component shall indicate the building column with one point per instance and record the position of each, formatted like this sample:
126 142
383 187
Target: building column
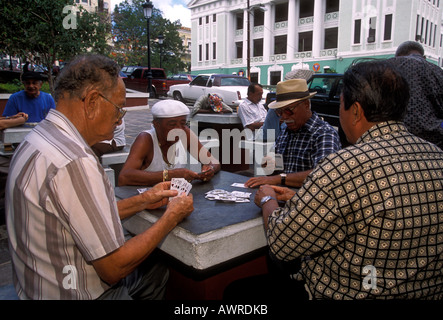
292 27
230 35
267 33
318 28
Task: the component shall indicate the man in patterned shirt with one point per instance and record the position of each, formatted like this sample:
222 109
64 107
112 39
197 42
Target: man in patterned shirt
368 222
304 141
65 235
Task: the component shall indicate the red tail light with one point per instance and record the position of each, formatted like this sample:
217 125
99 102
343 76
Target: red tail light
238 95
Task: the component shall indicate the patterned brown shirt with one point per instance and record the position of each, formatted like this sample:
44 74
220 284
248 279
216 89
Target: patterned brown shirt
368 222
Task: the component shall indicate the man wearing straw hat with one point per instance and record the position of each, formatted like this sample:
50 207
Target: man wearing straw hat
305 141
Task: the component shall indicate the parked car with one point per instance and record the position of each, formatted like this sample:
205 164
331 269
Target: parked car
5 64
231 88
138 80
189 77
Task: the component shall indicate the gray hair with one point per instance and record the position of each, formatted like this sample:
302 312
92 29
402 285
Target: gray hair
89 70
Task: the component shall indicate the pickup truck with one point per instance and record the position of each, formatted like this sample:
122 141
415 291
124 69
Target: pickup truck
231 88
138 80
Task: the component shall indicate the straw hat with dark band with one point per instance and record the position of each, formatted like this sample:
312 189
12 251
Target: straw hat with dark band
291 91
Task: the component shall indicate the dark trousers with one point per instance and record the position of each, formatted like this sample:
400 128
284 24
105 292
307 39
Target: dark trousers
147 282
275 285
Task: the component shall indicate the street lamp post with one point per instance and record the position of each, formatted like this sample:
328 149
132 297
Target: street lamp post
248 41
161 38
147 11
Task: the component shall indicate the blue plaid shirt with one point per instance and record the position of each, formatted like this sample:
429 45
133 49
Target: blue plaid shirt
303 149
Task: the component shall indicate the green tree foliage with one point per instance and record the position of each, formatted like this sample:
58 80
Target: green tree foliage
130 38
49 30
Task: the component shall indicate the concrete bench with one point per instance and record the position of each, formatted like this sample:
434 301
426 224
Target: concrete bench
111 175
117 157
114 158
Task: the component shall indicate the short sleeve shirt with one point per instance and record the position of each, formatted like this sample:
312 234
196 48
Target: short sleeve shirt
36 108
61 214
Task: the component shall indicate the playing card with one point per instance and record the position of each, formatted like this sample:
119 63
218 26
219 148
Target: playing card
239 185
181 185
141 190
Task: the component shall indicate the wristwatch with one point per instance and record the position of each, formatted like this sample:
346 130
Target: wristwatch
283 179
266 199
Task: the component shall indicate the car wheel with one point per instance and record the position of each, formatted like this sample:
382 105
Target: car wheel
177 96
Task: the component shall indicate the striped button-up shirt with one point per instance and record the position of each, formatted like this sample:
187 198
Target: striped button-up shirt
61 214
304 148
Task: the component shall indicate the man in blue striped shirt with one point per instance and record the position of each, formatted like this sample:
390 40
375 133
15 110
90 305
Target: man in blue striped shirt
305 141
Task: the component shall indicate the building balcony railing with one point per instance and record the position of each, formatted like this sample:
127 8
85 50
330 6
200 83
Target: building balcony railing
302 55
277 57
328 53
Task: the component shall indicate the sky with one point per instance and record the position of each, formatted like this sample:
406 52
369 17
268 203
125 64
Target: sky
173 10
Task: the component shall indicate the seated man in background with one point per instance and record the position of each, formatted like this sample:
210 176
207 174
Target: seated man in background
35 103
251 111
305 140
156 157
64 224
367 223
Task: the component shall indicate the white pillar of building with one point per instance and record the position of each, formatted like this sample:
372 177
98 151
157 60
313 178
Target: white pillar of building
230 42
245 37
292 27
318 28
267 35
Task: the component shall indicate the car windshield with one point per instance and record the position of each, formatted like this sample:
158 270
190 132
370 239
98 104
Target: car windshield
321 85
224 82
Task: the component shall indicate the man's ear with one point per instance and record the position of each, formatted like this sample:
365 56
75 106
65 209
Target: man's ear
357 112
91 104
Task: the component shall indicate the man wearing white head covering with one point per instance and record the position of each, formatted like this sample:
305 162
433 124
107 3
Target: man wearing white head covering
160 154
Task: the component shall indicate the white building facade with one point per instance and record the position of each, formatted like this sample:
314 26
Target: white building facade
315 34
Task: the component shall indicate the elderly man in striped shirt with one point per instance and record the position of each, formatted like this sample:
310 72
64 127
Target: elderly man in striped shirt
65 233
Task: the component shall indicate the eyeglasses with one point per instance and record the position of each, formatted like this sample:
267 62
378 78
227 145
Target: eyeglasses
120 111
288 110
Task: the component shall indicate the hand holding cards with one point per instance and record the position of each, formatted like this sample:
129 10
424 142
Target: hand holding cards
181 185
